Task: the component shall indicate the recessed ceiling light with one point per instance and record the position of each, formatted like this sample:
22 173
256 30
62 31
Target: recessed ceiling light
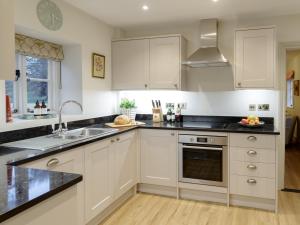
145 7
215 0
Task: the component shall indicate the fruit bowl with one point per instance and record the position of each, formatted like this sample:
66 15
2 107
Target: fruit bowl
260 124
251 121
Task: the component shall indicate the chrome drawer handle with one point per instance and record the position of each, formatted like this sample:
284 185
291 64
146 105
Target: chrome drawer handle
251 181
118 139
252 138
252 152
52 162
251 167
172 134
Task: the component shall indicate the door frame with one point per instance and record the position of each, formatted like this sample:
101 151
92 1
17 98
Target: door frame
283 48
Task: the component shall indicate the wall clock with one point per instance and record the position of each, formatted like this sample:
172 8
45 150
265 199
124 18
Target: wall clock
49 15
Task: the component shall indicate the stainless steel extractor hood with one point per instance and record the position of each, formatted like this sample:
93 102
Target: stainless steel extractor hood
208 55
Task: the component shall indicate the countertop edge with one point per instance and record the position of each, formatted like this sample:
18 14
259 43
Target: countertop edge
21 208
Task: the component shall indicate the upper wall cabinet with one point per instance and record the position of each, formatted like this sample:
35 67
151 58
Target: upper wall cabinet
130 64
148 63
255 58
7 40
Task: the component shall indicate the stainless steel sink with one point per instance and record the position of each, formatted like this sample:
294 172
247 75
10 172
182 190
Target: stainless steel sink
82 133
65 138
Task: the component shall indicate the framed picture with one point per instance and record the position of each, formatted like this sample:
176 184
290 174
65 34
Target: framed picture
296 87
98 67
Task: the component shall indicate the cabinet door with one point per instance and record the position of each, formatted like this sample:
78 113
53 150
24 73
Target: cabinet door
158 157
7 40
254 58
125 152
130 64
68 162
165 63
98 178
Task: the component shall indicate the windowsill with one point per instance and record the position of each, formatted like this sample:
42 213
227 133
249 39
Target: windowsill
18 124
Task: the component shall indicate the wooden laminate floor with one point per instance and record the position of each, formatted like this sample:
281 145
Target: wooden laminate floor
146 209
292 168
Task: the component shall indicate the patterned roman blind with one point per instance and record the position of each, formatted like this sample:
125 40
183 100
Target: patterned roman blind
34 47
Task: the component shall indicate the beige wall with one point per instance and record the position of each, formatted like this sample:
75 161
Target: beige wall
293 63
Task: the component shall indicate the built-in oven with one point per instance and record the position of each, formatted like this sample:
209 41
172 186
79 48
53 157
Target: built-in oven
203 159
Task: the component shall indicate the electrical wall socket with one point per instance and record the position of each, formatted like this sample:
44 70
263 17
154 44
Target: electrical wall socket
183 105
263 107
252 107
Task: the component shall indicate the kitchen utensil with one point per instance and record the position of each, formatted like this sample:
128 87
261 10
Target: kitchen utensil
260 124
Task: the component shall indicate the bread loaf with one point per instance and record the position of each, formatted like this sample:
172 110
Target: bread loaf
122 120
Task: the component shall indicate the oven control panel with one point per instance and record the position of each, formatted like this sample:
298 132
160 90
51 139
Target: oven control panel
207 140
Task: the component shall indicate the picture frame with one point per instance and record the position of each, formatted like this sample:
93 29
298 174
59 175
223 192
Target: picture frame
98 66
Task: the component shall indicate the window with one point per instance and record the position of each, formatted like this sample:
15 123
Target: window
290 93
37 82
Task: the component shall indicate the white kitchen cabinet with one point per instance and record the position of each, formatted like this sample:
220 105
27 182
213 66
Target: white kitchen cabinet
148 63
255 58
59 209
253 166
165 66
159 157
99 178
68 162
7 40
130 64
125 163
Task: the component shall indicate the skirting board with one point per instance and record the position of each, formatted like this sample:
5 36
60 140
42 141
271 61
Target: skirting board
197 195
259 203
158 190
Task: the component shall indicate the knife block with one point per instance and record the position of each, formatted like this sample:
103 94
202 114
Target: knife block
157 115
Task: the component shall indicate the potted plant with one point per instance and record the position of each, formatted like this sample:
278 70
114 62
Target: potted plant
128 108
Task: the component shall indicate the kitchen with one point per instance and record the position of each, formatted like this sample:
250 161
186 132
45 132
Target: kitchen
147 59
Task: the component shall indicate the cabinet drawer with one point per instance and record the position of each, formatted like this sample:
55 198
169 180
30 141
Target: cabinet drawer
266 170
252 155
252 186
252 141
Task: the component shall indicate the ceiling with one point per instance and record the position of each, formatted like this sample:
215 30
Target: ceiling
128 13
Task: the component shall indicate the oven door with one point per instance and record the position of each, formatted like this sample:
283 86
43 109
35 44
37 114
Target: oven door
202 164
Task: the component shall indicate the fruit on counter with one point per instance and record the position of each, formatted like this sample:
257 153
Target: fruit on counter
122 120
251 120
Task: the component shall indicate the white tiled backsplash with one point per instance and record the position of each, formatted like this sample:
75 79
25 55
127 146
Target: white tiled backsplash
227 103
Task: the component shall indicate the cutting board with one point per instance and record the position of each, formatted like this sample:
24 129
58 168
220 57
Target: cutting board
136 123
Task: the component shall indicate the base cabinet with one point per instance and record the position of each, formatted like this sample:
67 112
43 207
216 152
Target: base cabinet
110 171
125 163
159 157
58 209
99 180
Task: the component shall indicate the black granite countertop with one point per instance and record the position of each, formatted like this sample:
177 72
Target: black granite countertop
18 185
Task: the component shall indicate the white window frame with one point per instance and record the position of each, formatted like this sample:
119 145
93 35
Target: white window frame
290 93
20 87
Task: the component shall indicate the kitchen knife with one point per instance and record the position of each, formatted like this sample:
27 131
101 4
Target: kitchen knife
153 104
156 103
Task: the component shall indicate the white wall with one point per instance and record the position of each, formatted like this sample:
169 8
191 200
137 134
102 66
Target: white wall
78 29
222 103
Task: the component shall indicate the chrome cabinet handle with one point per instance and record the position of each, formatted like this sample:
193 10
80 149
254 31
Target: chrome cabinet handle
251 152
251 138
146 85
239 84
252 167
52 162
176 86
118 139
172 134
251 181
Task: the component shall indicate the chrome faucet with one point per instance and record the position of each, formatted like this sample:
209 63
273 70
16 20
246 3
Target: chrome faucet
60 128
